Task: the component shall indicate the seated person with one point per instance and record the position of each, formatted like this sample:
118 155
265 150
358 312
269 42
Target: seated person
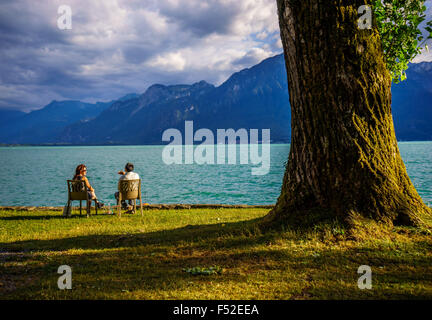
128 175
80 174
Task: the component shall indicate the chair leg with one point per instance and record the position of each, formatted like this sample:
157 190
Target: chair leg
88 208
141 206
80 207
96 207
68 208
135 200
119 206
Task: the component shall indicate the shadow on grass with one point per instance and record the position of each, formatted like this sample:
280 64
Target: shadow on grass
236 234
158 272
45 217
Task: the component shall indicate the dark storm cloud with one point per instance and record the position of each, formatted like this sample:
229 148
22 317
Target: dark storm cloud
19 25
40 62
203 17
117 47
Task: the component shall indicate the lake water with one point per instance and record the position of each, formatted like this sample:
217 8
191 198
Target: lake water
37 175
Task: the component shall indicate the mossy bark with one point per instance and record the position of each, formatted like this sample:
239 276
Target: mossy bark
344 160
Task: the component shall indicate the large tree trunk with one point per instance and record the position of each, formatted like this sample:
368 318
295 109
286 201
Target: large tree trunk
344 159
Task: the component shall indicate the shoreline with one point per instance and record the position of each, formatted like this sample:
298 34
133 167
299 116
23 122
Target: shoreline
11 145
156 206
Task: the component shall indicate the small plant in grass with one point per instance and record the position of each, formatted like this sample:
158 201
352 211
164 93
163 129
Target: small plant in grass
338 231
204 271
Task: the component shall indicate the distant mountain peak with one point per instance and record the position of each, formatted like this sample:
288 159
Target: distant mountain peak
156 86
153 93
421 66
128 97
202 83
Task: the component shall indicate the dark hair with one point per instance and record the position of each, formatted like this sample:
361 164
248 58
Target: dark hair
129 167
79 170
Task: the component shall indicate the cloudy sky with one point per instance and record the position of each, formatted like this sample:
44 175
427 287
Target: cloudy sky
117 47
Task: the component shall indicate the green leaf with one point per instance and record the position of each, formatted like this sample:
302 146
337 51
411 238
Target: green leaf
398 24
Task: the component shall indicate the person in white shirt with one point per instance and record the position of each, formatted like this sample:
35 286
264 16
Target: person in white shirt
128 174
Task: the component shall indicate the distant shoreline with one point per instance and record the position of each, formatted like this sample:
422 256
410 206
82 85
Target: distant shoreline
108 144
139 145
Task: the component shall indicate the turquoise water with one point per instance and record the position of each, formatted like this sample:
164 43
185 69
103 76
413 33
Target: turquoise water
37 175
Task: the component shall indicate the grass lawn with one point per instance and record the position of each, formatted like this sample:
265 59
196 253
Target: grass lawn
136 257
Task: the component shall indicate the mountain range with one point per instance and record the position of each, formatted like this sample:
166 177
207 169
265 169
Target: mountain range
255 97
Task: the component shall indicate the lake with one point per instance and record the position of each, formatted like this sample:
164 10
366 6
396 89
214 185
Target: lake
37 175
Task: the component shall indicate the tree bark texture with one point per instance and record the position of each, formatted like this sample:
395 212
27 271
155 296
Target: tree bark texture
344 159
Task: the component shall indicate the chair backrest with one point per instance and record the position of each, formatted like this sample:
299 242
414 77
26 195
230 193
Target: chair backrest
129 189
77 190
